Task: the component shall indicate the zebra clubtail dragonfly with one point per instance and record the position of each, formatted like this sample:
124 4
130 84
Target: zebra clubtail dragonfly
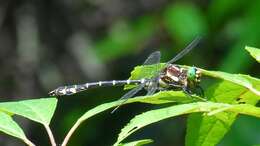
170 77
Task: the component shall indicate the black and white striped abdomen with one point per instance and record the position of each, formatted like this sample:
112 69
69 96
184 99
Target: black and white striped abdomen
72 89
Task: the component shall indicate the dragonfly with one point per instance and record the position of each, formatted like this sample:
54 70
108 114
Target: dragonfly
170 77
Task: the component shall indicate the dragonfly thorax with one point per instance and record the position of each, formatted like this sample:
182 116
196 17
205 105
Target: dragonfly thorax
176 76
173 74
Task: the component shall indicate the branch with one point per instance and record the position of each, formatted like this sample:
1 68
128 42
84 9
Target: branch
75 126
51 137
28 142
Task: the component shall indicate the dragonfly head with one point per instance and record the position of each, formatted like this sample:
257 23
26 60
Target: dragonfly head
52 93
58 92
194 74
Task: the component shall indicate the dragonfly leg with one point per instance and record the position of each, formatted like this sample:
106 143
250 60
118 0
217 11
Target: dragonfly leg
201 91
175 86
188 92
162 89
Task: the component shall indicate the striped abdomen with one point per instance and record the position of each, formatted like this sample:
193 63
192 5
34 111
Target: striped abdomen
72 89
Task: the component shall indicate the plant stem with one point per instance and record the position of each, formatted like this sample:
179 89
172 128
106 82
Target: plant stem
28 142
75 126
51 137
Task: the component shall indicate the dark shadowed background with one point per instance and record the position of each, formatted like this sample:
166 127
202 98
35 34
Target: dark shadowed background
49 43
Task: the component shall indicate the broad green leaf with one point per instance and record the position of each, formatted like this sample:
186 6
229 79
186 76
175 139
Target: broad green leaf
153 116
210 130
174 96
10 127
254 52
241 86
158 98
157 115
137 143
39 110
239 79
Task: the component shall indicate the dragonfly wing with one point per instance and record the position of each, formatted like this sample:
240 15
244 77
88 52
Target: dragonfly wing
151 90
153 58
194 43
128 95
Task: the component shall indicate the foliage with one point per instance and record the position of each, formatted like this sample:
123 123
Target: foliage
38 110
46 44
138 143
254 52
208 121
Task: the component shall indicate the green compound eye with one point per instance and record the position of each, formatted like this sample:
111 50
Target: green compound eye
192 73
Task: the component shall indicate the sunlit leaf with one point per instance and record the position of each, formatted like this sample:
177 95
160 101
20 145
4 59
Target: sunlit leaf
254 52
10 127
158 98
210 130
239 79
137 143
39 110
242 88
160 114
248 86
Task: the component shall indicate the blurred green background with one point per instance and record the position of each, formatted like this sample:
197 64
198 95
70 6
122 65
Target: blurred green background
46 44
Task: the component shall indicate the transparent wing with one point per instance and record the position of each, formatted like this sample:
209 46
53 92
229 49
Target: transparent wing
153 58
186 50
128 95
152 89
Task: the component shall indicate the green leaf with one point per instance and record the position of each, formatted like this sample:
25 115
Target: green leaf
10 127
38 110
239 79
210 130
153 116
254 52
158 98
137 143
245 85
